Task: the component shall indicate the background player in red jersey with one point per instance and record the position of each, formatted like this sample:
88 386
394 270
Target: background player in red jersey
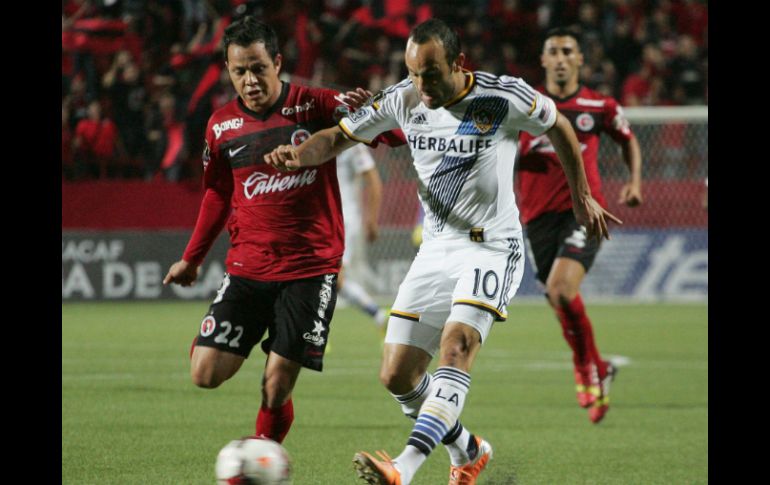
285 229
561 252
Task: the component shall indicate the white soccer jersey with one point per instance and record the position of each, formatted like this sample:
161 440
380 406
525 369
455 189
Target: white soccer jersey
463 152
350 165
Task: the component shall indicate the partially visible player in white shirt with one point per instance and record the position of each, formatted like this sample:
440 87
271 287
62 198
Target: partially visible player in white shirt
360 187
462 129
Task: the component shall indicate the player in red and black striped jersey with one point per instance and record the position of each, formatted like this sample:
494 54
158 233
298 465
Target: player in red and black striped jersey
286 229
559 248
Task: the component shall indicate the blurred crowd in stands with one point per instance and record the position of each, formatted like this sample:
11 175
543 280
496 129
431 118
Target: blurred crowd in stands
141 77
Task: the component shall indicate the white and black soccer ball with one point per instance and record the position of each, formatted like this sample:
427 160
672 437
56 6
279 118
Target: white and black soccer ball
253 461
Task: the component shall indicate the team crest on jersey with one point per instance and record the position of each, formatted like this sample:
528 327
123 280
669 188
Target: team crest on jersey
299 136
585 122
482 119
483 116
208 325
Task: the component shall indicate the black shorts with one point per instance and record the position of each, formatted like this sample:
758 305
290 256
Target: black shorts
558 235
295 315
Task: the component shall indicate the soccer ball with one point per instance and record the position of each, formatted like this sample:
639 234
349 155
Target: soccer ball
253 461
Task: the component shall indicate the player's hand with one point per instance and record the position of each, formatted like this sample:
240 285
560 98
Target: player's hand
285 158
630 194
593 217
356 99
182 273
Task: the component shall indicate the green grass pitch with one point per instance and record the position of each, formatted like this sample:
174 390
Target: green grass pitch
130 414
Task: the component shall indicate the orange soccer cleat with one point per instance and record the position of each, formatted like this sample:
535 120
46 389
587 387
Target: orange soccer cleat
467 474
374 471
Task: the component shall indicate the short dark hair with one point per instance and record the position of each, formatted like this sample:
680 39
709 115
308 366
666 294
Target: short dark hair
564 32
246 31
437 29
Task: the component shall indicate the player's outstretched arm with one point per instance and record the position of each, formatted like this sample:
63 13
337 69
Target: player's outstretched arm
212 216
356 98
317 149
182 273
631 192
587 210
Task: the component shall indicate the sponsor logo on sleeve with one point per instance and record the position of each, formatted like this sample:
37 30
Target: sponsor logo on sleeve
545 110
361 114
290 110
232 124
619 122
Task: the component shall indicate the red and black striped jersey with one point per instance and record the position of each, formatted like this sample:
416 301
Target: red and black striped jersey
283 225
541 183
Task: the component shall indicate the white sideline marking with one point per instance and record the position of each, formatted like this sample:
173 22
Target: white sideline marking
618 360
363 368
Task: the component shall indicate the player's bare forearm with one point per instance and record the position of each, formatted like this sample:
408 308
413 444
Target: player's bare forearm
588 212
373 191
567 147
322 146
316 150
212 216
631 192
632 156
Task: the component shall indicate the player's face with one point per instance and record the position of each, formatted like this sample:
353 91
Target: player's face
561 59
431 73
254 75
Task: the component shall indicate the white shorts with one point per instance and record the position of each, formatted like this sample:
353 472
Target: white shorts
455 281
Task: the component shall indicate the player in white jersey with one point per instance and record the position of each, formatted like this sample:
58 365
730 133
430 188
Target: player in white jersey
359 180
462 128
